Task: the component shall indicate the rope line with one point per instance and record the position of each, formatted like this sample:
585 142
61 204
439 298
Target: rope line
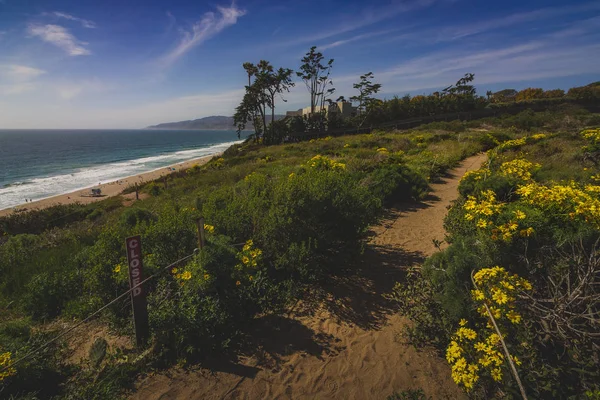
37 349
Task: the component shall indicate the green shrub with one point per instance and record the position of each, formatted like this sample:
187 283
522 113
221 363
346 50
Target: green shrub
409 394
133 216
394 183
47 293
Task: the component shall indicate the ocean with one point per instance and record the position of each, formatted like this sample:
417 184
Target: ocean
36 164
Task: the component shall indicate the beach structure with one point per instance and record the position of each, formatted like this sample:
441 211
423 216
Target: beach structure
95 192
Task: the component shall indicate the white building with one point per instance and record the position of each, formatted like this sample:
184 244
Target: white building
342 108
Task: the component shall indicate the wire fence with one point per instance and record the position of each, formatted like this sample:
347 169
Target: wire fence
95 313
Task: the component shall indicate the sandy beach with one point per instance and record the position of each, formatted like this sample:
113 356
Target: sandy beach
109 189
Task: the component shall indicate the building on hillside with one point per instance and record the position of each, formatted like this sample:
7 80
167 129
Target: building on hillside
342 108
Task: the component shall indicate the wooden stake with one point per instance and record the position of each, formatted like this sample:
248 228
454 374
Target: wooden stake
200 226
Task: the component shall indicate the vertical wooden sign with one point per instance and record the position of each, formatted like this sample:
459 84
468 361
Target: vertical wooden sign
138 295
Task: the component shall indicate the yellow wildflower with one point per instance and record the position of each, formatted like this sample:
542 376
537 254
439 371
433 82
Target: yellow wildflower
513 317
238 283
117 269
186 276
6 360
497 374
482 223
519 214
209 228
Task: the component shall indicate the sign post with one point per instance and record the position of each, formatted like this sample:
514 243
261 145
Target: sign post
138 295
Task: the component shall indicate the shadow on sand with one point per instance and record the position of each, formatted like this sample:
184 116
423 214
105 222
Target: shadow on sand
354 296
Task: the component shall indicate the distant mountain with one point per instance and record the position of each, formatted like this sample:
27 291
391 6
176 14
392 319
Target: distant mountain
216 122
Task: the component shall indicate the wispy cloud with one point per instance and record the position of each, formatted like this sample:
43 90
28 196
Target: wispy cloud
71 89
60 37
368 16
22 72
84 22
16 79
353 39
526 62
454 33
209 25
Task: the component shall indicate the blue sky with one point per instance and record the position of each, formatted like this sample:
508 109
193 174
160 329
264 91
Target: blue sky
129 64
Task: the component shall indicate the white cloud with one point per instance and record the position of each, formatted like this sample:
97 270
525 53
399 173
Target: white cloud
70 90
210 25
60 37
514 19
84 22
17 79
17 88
352 39
20 73
368 16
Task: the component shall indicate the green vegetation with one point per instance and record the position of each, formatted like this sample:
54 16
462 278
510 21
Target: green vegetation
265 84
522 248
279 219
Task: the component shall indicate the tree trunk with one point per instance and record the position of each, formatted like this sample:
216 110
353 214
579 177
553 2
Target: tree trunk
272 117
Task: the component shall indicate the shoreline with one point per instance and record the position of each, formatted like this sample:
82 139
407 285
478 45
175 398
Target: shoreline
109 189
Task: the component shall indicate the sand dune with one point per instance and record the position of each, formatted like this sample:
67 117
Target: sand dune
345 342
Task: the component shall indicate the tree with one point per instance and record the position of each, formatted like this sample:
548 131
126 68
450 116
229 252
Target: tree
530 94
366 89
277 82
264 84
253 107
315 75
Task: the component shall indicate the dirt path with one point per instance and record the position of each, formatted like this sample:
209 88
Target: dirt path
345 343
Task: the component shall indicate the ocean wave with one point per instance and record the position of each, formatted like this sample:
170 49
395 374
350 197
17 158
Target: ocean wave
43 187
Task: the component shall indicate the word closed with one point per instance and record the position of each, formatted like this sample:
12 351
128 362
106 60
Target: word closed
133 247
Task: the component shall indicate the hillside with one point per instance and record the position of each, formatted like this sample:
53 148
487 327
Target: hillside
419 233
215 122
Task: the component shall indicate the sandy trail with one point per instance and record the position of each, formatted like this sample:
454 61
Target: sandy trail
345 343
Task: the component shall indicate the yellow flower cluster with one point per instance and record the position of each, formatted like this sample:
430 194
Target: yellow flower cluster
490 357
568 200
181 275
498 289
117 269
325 163
6 360
209 228
486 207
511 144
249 256
481 211
477 174
508 230
592 135
382 150
538 136
518 168
326 139
470 356
515 143
347 145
